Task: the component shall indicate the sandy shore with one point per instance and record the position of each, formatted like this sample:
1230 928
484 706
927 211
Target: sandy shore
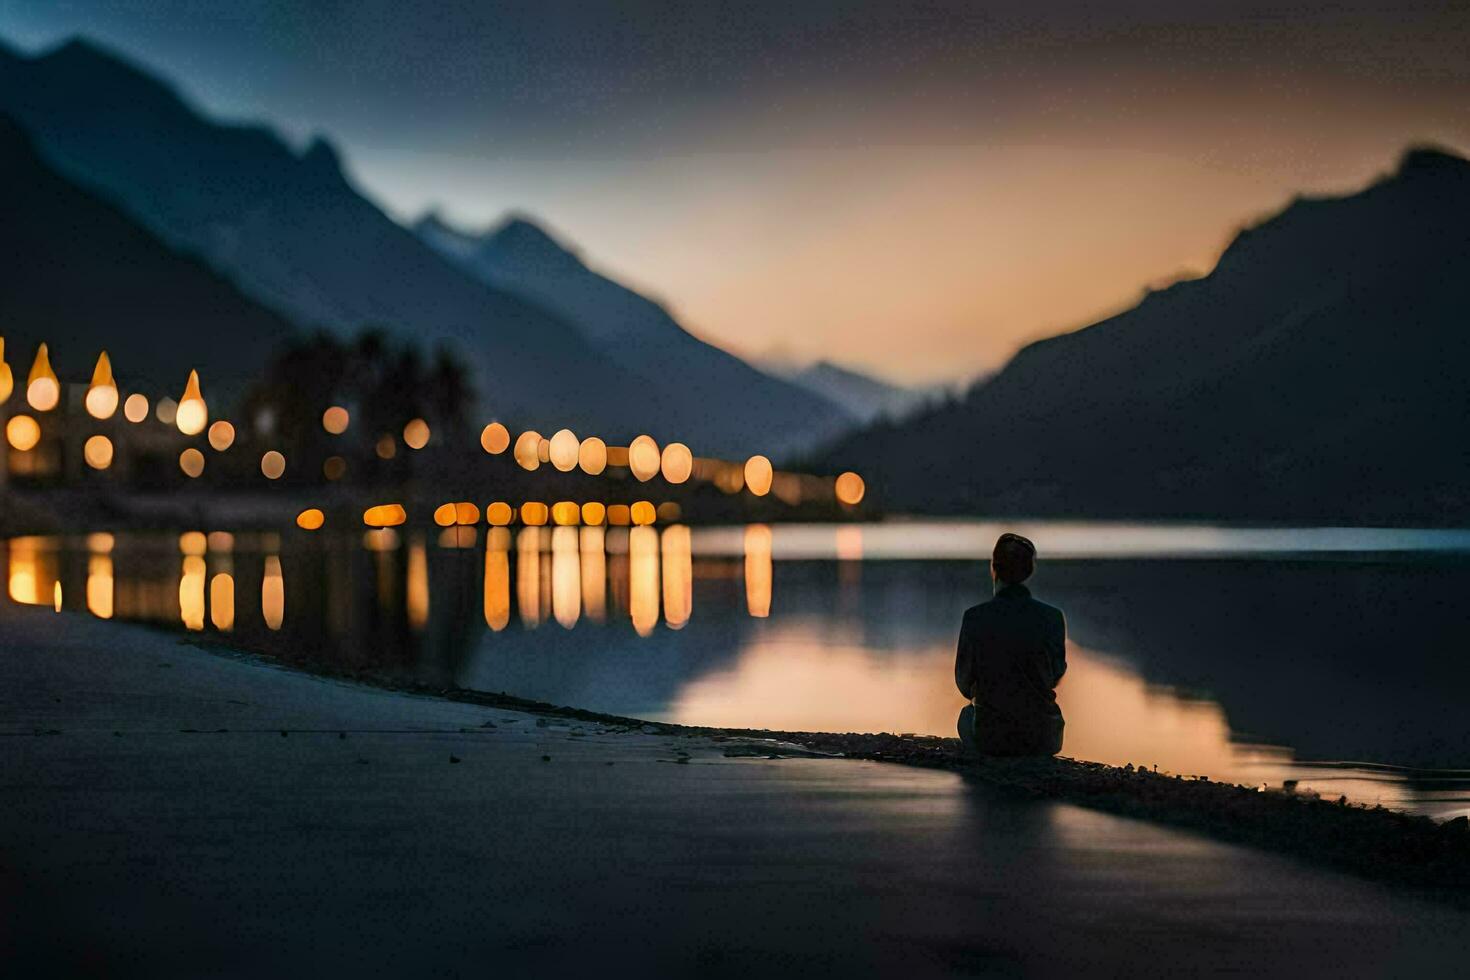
176 811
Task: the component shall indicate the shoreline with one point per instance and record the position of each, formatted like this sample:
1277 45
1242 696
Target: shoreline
1372 842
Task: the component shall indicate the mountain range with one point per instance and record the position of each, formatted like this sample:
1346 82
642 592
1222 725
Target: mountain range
1316 374
866 397
291 231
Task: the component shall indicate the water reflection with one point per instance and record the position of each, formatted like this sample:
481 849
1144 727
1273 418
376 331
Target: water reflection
1164 668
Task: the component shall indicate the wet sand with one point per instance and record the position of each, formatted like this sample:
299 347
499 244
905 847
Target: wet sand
176 811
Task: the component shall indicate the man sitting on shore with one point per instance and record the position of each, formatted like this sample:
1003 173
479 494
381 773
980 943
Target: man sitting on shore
1012 653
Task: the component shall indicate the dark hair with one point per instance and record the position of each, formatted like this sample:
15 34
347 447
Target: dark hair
1014 559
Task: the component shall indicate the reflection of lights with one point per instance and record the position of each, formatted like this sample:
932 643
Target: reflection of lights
563 450
525 451
593 513
730 478
191 593
416 434
193 543
222 602
384 515
32 567
458 536
533 514
678 576
669 511
380 539
311 519
466 512
101 542
387 447
642 513
56 595
619 515
644 458
444 515
166 410
135 409
97 451
850 543
221 436
494 438
594 572
272 464
592 456
566 577
99 586
565 513
191 461
42 389
193 414
418 584
497 578
334 467
677 462
335 420
758 475
23 432
528 576
643 579
850 489
499 514
101 400
273 593
758 570
220 541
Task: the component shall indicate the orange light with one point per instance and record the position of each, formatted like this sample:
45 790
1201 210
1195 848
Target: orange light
758 475
191 461
678 462
669 511
166 410
643 513
335 420
272 464
619 515
593 513
135 409
23 432
387 447
192 414
221 436
333 467
97 451
563 450
101 400
384 515
592 456
444 515
526 450
494 438
850 489
416 434
466 513
43 391
7 378
534 514
310 519
499 514
566 513
643 458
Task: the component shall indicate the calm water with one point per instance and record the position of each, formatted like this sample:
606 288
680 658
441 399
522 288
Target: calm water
1332 657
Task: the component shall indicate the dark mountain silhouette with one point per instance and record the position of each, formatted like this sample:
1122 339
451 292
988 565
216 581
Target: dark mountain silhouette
863 395
1317 373
737 408
294 234
79 274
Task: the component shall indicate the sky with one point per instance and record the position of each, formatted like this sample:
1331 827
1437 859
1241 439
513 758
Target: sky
914 189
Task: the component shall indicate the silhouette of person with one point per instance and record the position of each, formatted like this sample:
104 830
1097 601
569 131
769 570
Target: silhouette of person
1012 652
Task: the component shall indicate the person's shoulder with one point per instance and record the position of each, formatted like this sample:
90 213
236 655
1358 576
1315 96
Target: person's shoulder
979 609
1048 610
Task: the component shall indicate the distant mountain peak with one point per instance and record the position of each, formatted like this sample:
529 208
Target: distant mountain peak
520 237
321 157
1431 159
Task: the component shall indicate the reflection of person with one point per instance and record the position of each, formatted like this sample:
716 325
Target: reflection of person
1012 652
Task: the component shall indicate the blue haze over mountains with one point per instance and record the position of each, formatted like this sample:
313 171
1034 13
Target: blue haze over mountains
295 236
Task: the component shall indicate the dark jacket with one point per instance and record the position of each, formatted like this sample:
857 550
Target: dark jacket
1012 652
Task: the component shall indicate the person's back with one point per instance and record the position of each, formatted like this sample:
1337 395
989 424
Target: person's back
1012 653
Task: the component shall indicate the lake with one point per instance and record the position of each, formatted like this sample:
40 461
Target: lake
1333 657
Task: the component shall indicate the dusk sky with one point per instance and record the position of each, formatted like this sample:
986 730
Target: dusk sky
910 188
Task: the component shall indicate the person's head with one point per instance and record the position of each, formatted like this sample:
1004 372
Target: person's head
1013 560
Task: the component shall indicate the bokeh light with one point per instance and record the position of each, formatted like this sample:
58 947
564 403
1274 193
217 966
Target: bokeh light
850 489
758 474
566 513
643 513
272 464
678 462
534 514
193 414
593 513
384 515
563 450
592 456
525 451
499 514
310 519
166 410
221 436
416 434
191 461
466 513
101 400
335 420
7 377
494 438
97 451
444 515
387 447
644 458
334 467
619 515
23 432
135 409
43 391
